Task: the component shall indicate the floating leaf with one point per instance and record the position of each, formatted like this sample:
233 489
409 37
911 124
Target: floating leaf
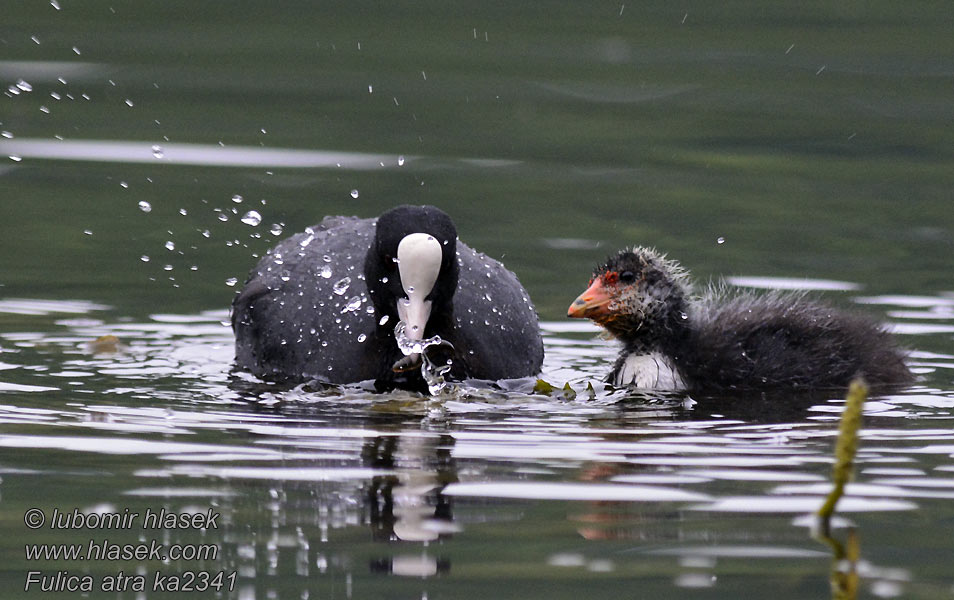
568 392
542 387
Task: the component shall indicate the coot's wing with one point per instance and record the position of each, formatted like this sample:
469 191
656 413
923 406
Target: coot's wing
304 312
497 333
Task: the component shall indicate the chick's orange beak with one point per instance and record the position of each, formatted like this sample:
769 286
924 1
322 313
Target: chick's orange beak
592 303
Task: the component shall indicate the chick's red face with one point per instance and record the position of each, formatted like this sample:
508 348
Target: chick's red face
599 300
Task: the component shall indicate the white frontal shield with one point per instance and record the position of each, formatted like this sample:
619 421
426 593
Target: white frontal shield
419 261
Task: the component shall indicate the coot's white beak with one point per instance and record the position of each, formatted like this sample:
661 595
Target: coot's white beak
419 261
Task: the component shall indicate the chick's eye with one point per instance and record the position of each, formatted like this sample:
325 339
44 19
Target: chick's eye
627 277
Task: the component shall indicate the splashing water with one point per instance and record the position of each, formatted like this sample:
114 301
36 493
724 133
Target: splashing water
410 346
354 303
341 286
432 372
252 218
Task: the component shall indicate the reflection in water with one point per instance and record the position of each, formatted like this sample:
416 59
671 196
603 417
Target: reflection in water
844 565
409 506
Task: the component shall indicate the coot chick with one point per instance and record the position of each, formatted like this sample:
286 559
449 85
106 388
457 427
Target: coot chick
721 342
324 305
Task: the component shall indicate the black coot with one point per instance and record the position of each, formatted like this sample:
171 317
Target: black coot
672 340
324 304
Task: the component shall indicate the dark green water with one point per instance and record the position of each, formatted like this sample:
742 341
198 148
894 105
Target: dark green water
799 141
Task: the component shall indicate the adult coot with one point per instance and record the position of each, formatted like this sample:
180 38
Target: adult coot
332 303
724 342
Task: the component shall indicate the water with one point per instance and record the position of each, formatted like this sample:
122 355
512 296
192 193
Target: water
794 147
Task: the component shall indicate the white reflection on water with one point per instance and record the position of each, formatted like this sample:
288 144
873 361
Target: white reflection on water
799 504
49 71
792 283
33 306
754 551
572 491
192 154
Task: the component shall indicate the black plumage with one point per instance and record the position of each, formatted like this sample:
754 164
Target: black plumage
321 305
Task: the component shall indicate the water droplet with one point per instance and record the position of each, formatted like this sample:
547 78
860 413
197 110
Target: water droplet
231 281
167 268
45 110
35 39
276 229
170 245
87 232
183 212
355 193
145 206
129 102
144 258
15 158
326 272
400 161
361 338
354 303
237 198
6 134
252 218
157 151
206 234
124 185
370 89
55 5
326 258
26 87
75 49
341 286
304 243
384 280
683 315
720 240
223 217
